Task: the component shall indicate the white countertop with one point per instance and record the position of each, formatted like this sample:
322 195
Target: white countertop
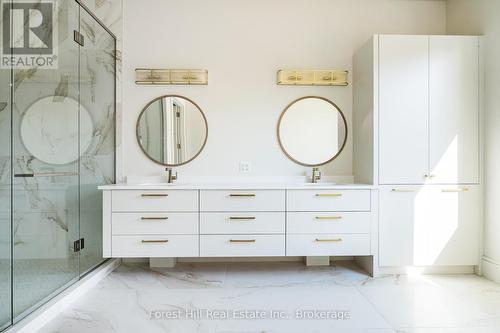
236 186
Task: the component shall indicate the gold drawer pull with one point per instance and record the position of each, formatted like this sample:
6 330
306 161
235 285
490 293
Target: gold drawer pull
153 218
242 195
242 241
402 190
332 240
455 190
153 195
154 241
329 194
242 218
328 217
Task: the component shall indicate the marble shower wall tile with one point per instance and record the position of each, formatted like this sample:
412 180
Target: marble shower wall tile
110 12
51 201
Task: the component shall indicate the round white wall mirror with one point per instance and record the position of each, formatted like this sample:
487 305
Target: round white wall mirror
49 130
172 130
312 131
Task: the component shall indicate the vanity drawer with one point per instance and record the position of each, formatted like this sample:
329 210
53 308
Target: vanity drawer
328 245
154 200
242 245
155 246
242 223
154 223
328 200
242 200
328 222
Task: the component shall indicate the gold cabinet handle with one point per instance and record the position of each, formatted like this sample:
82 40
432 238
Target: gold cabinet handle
242 218
242 241
242 195
328 217
153 195
328 194
153 218
402 190
154 241
331 240
454 190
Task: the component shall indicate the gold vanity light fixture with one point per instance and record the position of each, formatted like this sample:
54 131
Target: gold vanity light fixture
150 76
312 77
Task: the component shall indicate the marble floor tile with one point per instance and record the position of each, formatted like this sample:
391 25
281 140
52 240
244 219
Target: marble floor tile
184 275
136 299
289 274
449 330
455 301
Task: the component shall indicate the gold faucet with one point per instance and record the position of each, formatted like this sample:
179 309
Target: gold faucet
171 177
316 175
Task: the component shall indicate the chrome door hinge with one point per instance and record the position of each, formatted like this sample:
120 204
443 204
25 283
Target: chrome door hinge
78 245
79 38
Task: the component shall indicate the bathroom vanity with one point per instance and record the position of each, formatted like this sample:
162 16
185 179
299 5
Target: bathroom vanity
416 130
257 220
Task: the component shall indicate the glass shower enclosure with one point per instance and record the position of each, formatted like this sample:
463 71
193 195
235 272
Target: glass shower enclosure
57 144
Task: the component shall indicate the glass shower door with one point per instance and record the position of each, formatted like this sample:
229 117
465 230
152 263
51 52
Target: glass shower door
46 151
5 191
97 137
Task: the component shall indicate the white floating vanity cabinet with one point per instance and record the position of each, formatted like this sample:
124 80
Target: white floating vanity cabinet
417 135
213 221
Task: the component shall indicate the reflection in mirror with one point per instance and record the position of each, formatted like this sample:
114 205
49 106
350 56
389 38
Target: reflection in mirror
49 129
172 130
312 131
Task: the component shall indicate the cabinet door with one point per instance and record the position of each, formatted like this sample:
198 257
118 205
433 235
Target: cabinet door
403 109
454 109
429 225
450 233
400 208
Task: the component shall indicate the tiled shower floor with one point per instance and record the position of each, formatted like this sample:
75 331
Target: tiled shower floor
34 280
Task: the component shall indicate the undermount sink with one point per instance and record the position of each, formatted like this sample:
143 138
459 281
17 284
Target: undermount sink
320 184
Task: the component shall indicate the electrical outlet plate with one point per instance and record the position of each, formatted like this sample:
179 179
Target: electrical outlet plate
245 167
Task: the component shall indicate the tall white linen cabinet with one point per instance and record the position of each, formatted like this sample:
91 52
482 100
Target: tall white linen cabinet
418 135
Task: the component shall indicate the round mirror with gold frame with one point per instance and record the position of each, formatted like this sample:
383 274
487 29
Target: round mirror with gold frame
172 130
312 131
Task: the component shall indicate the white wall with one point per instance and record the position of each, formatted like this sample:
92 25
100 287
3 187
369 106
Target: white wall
482 17
242 44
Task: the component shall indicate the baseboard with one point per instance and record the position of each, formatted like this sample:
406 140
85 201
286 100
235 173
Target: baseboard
438 270
48 311
491 269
